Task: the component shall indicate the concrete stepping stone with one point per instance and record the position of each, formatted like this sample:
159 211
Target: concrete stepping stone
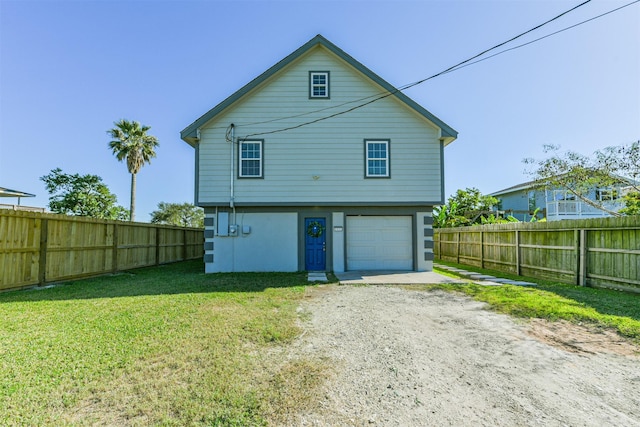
482 277
524 283
465 273
487 283
501 280
485 277
317 277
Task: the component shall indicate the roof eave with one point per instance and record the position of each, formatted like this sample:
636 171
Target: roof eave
446 140
7 192
190 138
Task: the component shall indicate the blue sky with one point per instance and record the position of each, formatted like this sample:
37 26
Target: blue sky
69 69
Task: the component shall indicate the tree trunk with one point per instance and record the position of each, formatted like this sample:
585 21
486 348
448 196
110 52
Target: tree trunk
132 205
591 203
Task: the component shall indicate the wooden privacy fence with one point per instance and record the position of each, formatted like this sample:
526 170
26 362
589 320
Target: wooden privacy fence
37 248
603 252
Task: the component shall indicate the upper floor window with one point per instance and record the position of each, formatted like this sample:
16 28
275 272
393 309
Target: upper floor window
606 194
250 159
562 195
532 201
318 84
377 161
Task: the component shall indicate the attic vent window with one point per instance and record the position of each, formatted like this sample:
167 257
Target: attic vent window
319 84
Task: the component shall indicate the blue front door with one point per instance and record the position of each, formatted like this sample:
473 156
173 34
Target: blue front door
315 244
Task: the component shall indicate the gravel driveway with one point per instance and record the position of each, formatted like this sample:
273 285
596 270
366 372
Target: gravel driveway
430 358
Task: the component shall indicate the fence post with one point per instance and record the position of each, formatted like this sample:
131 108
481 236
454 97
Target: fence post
184 246
114 251
42 262
518 252
157 245
577 246
458 247
582 264
481 249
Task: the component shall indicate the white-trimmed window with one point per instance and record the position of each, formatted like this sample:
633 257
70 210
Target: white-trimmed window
562 195
250 159
606 194
532 201
318 84
377 158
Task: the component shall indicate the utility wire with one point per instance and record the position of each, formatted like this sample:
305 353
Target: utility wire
463 64
546 36
402 88
449 70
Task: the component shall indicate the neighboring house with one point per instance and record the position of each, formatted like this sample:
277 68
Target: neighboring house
318 164
9 193
522 200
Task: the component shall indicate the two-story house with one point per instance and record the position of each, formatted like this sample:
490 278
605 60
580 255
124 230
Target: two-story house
318 164
521 201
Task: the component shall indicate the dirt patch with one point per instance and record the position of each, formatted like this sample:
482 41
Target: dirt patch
413 358
581 338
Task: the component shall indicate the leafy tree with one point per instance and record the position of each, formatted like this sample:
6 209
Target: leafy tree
467 207
622 160
495 219
632 204
184 215
579 174
81 195
447 216
131 142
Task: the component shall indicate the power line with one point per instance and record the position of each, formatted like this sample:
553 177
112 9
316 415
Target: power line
461 64
402 88
548 35
467 62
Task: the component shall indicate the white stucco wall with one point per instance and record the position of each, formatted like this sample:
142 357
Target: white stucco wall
338 241
272 244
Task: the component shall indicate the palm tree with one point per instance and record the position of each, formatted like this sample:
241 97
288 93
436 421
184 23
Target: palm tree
132 142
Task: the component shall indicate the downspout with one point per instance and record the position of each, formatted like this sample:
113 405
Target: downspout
196 189
232 141
232 195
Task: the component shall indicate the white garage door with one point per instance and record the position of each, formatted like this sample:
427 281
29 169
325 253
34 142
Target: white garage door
379 243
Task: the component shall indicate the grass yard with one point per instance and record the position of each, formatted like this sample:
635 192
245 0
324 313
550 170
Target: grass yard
554 301
165 345
170 345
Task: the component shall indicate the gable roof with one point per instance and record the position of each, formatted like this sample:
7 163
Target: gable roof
537 185
190 133
524 186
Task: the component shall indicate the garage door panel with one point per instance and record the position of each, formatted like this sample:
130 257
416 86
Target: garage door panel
392 236
379 243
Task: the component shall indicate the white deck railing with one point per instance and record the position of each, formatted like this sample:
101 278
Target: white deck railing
572 209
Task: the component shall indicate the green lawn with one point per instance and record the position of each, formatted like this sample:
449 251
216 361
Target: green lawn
170 345
600 307
166 345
